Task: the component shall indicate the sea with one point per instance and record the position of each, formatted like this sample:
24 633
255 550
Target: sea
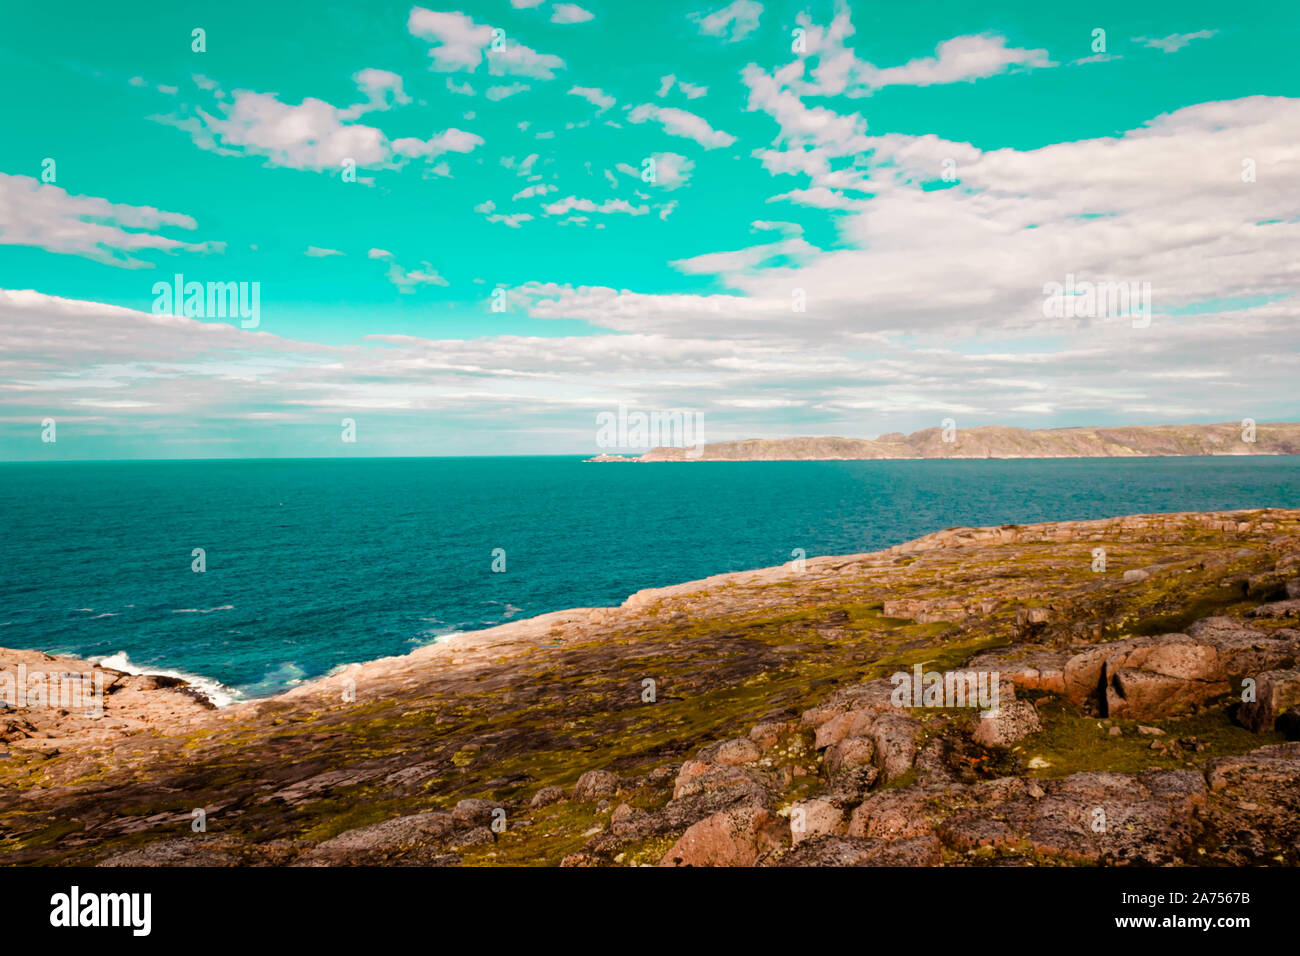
251 576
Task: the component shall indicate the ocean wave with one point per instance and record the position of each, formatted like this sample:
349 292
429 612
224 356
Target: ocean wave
199 610
218 693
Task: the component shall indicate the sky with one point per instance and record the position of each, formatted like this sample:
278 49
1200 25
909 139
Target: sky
474 228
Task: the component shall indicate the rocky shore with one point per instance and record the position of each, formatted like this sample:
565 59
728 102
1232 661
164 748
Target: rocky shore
1147 680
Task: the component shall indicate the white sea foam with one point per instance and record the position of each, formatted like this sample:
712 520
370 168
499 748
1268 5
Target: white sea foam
199 610
215 691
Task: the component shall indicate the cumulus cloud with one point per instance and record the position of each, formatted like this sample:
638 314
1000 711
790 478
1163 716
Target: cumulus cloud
570 13
733 22
459 43
672 170
316 135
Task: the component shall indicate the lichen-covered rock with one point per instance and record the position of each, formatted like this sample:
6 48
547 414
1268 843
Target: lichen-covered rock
473 813
861 851
478 836
900 814
546 796
815 817
736 752
851 764
732 838
595 785
895 736
1009 724
1278 609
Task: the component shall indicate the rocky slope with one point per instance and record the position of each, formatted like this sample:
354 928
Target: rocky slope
999 442
746 719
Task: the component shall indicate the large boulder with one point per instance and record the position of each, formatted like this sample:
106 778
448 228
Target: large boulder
595 785
1150 677
1010 723
731 838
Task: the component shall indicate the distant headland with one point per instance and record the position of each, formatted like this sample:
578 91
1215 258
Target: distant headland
992 441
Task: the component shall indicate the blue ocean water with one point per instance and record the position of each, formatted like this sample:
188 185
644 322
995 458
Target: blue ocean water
316 563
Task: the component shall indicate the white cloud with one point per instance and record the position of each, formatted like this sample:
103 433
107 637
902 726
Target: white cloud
767 225
586 205
960 59
512 220
1175 41
672 170
458 41
316 252
819 197
690 90
383 90
839 71
48 217
461 44
677 122
448 141
733 22
570 13
537 189
314 135
407 280
506 91
595 96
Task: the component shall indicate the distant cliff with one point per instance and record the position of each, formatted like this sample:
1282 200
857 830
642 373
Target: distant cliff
1135 441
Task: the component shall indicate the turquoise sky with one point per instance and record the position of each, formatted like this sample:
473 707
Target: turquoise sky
234 143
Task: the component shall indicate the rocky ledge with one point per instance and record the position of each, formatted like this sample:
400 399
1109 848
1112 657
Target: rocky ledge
1124 691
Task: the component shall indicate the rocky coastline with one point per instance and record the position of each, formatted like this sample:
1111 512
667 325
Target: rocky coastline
1146 669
